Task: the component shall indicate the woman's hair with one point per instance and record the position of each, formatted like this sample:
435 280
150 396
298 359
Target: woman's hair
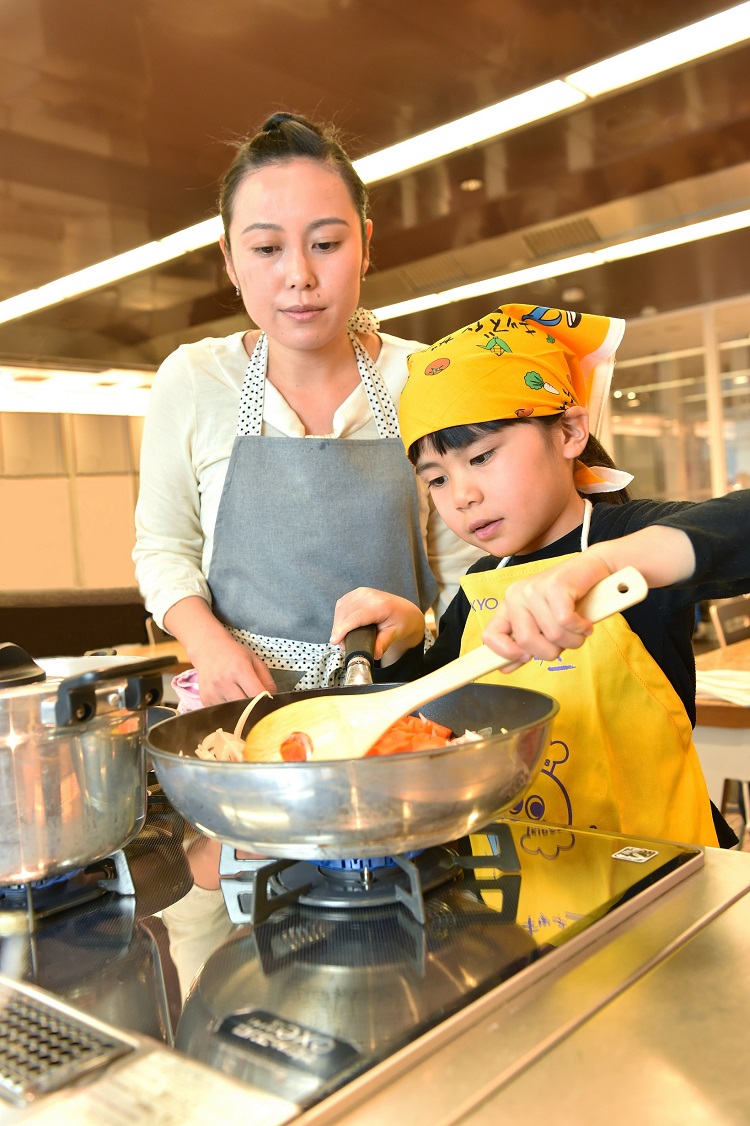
284 137
459 437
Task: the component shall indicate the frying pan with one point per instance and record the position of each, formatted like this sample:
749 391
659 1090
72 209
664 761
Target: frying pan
361 807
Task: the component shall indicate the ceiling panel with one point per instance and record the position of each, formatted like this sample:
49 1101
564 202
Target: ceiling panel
116 122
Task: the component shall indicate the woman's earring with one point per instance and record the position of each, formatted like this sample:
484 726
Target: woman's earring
237 290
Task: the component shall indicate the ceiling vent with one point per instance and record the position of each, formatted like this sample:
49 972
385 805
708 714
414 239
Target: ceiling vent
433 275
562 237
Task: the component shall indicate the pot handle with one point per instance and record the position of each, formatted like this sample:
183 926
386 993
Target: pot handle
17 667
76 695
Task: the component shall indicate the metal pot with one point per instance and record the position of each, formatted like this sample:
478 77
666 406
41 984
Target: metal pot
357 807
72 766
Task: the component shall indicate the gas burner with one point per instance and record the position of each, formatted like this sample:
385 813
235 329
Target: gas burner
260 886
41 899
400 879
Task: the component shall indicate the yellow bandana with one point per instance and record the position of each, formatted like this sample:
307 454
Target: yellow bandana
518 361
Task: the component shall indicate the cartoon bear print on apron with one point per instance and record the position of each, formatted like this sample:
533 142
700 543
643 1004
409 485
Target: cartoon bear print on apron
621 756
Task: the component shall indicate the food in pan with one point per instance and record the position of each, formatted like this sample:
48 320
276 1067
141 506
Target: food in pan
410 733
222 746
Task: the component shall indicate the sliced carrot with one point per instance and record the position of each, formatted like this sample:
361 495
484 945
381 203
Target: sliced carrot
411 733
297 747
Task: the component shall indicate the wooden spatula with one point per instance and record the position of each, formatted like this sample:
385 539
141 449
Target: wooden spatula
342 726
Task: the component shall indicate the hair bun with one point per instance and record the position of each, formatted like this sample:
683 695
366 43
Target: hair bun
275 121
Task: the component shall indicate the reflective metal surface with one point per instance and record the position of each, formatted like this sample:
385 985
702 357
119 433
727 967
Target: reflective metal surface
68 794
109 140
650 1002
101 953
313 998
357 807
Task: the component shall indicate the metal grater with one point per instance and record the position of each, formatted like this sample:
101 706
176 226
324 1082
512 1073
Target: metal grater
44 1048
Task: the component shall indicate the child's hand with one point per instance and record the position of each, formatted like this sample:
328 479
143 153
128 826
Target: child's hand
538 617
400 623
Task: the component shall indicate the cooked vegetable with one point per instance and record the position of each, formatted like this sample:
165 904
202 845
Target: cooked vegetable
297 748
222 746
411 733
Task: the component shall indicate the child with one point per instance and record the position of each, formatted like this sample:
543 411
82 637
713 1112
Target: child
495 419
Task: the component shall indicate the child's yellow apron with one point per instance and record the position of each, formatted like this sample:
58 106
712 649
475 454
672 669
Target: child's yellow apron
621 756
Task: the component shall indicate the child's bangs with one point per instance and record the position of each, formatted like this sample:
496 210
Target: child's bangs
456 437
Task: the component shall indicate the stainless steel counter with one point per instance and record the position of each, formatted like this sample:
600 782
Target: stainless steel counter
646 1024
649 1027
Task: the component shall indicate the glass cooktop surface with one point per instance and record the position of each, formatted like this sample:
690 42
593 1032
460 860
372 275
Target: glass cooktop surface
302 1003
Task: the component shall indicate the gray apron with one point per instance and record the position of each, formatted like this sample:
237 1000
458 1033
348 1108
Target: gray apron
302 521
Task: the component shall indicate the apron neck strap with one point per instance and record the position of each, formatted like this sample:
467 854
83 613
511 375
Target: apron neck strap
585 529
250 417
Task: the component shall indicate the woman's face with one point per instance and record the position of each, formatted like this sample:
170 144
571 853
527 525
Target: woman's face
296 251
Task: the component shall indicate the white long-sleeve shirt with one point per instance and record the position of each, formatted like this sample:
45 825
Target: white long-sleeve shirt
187 440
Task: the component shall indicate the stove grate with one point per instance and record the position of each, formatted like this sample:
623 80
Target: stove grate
43 1049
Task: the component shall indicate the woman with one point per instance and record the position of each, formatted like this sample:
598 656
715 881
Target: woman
246 533
244 543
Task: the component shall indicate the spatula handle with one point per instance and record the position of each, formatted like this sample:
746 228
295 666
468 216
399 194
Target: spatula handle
609 596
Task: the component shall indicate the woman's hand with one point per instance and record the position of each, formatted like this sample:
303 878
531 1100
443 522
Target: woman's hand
399 622
227 669
538 617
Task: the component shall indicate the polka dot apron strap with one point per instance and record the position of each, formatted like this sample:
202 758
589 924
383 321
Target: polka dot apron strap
250 417
381 404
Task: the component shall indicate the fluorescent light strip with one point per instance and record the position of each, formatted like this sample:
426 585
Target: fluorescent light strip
112 269
50 391
648 244
705 37
513 113
658 55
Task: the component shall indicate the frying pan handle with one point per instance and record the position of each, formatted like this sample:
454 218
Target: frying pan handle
359 645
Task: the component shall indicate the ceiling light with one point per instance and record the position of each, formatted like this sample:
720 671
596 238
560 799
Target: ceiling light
668 51
573 294
658 55
473 184
48 391
493 121
111 270
631 248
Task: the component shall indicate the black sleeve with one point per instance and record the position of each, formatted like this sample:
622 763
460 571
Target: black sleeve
718 529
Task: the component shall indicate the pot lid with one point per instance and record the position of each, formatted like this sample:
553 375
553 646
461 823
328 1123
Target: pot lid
71 690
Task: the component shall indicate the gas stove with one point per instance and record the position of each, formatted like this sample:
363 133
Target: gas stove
86 936
348 964
325 1012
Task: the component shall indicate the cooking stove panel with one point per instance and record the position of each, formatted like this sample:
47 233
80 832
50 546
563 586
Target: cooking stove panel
314 996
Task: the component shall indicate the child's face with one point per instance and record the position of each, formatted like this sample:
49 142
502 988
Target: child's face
510 492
